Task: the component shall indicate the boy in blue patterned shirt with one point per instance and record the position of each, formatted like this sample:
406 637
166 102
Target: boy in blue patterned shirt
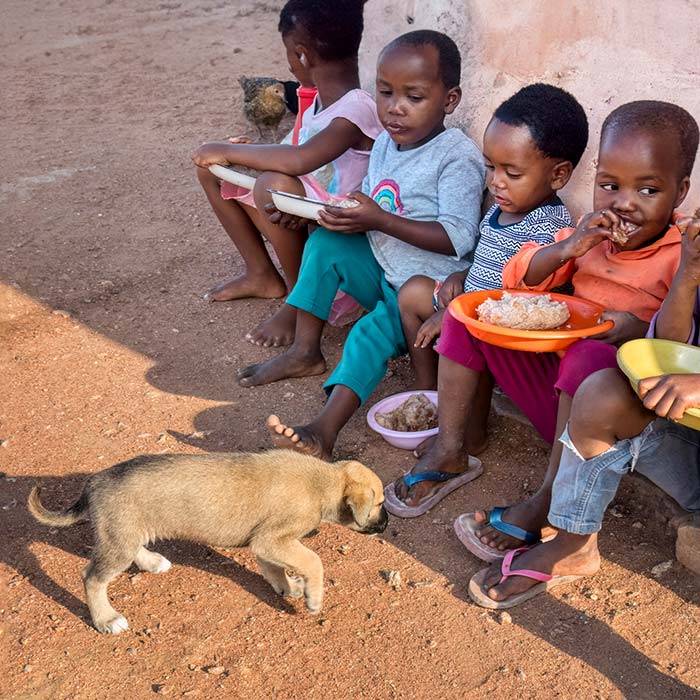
531 146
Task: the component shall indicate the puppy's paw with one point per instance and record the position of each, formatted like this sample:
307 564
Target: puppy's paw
161 565
313 605
114 626
294 587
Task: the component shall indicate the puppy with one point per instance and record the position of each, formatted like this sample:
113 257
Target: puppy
265 501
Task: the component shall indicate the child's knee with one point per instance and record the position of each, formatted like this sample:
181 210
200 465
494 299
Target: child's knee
602 397
415 294
270 180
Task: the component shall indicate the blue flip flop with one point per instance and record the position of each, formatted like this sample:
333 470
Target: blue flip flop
449 483
466 527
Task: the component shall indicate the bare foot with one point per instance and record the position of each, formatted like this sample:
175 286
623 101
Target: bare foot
277 331
438 458
530 515
285 366
300 438
429 442
565 555
247 285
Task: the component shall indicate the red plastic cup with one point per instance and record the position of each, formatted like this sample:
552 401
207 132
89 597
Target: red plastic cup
306 97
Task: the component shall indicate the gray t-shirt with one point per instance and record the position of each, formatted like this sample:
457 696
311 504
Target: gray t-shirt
442 180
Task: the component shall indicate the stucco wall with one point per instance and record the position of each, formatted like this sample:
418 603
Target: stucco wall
603 52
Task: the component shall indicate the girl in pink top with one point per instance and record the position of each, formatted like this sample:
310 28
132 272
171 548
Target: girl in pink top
336 136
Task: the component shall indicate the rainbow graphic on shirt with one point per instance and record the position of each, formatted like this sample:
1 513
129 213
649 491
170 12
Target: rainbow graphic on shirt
387 195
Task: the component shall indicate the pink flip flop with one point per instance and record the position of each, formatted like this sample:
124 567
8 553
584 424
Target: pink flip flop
479 593
447 483
466 525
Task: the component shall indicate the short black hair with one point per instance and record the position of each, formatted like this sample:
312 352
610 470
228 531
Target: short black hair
335 28
449 58
556 121
656 117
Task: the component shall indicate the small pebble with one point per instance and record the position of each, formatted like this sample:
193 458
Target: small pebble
161 689
215 670
27 668
661 568
637 525
521 674
393 578
131 650
344 549
504 618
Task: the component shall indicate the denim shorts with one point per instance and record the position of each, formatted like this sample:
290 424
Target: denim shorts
667 453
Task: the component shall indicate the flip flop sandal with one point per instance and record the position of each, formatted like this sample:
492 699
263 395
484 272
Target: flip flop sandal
447 483
466 527
479 593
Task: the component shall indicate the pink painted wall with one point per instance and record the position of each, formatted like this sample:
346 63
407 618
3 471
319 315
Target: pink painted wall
605 53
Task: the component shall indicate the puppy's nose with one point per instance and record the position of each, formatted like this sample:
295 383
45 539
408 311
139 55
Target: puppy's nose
383 521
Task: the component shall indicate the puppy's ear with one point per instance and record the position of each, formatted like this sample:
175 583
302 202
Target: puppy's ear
358 494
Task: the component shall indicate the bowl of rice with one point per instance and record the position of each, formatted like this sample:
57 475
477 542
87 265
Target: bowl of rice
530 321
404 420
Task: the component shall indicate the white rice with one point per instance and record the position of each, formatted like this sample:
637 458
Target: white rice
524 313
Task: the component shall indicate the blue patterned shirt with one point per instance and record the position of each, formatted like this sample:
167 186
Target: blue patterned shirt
498 244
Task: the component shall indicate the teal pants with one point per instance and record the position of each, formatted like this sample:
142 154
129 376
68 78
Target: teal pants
334 261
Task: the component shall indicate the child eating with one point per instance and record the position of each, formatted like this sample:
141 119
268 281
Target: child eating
647 150
531 145
610 433
337 133
420 206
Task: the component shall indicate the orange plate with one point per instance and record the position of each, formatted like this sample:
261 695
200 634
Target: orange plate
582 323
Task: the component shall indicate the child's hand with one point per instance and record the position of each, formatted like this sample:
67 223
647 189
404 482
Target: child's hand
281 218
429 330
671 395
590 230
210 154
452 287
627 327
689 267
367 216
239 139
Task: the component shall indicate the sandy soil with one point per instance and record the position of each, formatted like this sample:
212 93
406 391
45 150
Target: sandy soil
107 351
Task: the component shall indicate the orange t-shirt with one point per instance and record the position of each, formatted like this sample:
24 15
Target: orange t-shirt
620 280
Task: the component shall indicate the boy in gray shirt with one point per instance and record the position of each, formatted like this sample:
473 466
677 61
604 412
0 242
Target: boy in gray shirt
421 208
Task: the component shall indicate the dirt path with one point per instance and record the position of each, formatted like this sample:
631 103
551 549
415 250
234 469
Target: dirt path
107 351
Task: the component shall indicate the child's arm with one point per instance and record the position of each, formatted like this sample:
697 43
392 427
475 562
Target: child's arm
675 319
327 145
590 231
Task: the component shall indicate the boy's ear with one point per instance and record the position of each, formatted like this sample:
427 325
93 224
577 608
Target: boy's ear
682 191
561 173
452 99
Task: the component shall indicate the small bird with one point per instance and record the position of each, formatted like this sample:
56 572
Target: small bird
266 100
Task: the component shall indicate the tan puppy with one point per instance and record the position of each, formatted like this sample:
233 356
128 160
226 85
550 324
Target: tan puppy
266 501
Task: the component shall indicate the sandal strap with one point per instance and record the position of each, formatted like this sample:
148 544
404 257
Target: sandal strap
497 523
410 479
507 572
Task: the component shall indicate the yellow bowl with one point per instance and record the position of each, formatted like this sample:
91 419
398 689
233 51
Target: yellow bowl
645 357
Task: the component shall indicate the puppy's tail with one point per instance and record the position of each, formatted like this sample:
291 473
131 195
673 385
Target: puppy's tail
76 513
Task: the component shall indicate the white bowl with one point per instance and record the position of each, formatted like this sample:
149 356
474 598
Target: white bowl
232 176
399 438
294 204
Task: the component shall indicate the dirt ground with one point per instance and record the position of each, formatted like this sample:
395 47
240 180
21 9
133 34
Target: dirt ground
108 351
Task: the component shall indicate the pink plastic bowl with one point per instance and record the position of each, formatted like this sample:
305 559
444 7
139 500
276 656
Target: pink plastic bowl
398 438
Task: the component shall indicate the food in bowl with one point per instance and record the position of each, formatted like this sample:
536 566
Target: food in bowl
417 413
342 203
531 313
